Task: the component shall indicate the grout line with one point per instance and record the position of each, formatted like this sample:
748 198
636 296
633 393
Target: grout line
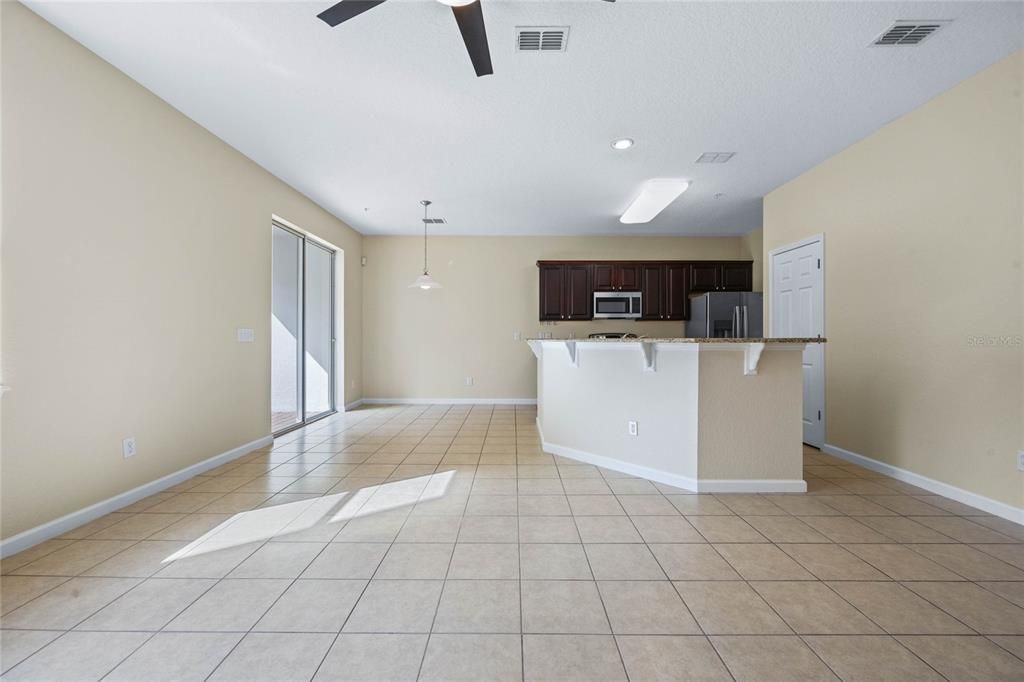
375 429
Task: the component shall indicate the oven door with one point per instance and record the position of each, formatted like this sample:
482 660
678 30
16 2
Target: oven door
616 305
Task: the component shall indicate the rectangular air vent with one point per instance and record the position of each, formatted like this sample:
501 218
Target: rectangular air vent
715 157
541 38
909 32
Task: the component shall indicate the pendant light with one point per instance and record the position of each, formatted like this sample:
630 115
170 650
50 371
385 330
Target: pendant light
425 281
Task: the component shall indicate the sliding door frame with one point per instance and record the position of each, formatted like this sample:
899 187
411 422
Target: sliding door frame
304 240
332 369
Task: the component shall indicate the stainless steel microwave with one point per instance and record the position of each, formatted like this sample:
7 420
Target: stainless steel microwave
617 305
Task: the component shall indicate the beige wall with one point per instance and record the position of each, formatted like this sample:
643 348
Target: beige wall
923 229
423 344
134 243
753 248
750 426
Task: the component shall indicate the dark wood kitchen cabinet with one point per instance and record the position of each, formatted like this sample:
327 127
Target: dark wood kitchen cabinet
566 291
677 291
705 277
567 287
665 289
737 276
652 289
616 276
720 276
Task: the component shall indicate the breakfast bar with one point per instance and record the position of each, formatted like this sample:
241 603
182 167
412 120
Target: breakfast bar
701 414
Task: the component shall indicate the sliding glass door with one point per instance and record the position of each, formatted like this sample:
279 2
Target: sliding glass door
302 330
319 331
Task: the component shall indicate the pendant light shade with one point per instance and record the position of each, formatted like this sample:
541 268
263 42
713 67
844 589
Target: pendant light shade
425 281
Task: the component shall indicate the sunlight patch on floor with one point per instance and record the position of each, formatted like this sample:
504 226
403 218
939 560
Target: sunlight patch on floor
257 525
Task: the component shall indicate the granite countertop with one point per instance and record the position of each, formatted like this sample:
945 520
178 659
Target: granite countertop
695 340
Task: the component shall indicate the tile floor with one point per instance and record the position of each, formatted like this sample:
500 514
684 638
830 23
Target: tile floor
441 543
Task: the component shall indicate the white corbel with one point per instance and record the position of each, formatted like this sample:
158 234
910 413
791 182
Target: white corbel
574 353
751 357
648 350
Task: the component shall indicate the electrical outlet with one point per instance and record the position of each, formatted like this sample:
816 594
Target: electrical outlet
1020 460
632 428
245 335
128 447
516 336
469 381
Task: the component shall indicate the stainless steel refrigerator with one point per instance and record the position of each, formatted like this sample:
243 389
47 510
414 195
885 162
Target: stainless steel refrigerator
726 314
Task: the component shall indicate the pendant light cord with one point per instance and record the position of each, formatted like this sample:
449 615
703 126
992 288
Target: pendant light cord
425 205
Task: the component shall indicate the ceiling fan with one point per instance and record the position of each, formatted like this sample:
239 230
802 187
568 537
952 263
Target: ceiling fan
468 16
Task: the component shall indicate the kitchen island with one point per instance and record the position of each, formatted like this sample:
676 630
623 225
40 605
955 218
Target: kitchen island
707 415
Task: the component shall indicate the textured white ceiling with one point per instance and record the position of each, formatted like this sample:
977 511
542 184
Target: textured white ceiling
374 115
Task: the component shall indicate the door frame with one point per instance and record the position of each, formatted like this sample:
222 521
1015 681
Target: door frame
770 301
333 251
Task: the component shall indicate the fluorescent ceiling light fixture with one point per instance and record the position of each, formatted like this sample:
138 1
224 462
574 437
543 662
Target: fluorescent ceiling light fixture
622 143
654 197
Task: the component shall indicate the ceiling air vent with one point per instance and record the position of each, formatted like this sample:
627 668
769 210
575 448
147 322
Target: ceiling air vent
715 157
541 38
909 32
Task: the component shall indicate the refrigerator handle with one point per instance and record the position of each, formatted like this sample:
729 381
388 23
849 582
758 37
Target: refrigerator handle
735 321
746 323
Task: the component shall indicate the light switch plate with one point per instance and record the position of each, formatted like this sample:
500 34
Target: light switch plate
245 335
128 447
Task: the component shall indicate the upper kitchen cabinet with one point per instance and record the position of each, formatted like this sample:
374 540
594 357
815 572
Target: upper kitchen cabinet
677 291
737 276
652 289
567 287
552 292
665 290
720 276
616 276
565 291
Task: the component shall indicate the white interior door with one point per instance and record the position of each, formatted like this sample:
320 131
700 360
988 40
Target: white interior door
798 310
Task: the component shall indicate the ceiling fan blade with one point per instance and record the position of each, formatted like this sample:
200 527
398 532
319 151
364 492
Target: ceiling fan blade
470 19
345 10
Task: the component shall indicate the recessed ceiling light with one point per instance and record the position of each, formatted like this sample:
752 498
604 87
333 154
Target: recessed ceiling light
654 197
622 143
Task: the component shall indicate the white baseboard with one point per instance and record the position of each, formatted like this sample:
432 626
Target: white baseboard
656 475
449 401
353 405
675 480
52 529
754 485
1006 511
